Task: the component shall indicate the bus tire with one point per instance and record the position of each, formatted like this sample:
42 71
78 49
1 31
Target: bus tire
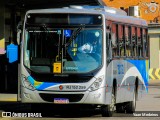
131 106
108 110
120 108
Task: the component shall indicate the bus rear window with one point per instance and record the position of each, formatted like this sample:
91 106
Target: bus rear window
64 19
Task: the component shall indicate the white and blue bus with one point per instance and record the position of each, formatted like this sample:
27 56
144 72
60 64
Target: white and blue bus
89 55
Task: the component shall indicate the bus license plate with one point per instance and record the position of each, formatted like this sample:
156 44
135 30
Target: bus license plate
61 100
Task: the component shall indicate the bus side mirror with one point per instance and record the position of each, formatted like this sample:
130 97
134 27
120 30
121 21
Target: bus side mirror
19 32
19 36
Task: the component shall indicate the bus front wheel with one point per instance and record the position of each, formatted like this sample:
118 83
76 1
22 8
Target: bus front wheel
108 110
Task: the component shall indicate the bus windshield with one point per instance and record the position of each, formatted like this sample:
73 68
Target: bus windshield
79 50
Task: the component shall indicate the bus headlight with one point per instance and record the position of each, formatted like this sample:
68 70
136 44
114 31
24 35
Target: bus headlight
96 84
26 83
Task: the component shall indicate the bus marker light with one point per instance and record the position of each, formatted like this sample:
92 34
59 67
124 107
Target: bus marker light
61 87
107 88
128 86
118 86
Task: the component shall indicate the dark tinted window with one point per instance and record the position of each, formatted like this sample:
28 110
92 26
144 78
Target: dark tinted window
64 19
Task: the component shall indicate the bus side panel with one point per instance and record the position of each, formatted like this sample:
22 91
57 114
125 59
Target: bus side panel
143 68
125 74
113 74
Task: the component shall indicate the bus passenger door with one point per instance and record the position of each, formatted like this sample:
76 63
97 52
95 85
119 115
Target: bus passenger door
108 47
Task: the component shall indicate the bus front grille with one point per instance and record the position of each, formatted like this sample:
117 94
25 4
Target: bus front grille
72 97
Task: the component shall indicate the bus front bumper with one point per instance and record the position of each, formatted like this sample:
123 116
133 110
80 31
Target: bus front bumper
85 97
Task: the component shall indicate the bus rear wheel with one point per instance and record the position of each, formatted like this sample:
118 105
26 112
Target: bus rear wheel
131 106
120 108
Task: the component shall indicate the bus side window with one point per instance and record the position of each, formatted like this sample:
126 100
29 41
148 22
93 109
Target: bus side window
127 40
145 43
139 42
121 40
114 40
134 42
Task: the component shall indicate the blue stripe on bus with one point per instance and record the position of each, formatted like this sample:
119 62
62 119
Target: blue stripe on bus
42 86
46 85
143 68
31 80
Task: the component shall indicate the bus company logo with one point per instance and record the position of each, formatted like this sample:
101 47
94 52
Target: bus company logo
61 87
6 114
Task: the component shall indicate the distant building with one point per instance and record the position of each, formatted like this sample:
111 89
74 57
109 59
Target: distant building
148 9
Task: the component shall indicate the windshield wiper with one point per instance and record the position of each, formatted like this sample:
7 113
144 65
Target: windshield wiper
74 35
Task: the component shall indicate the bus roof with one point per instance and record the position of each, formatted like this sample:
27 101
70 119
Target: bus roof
119 16
126 19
